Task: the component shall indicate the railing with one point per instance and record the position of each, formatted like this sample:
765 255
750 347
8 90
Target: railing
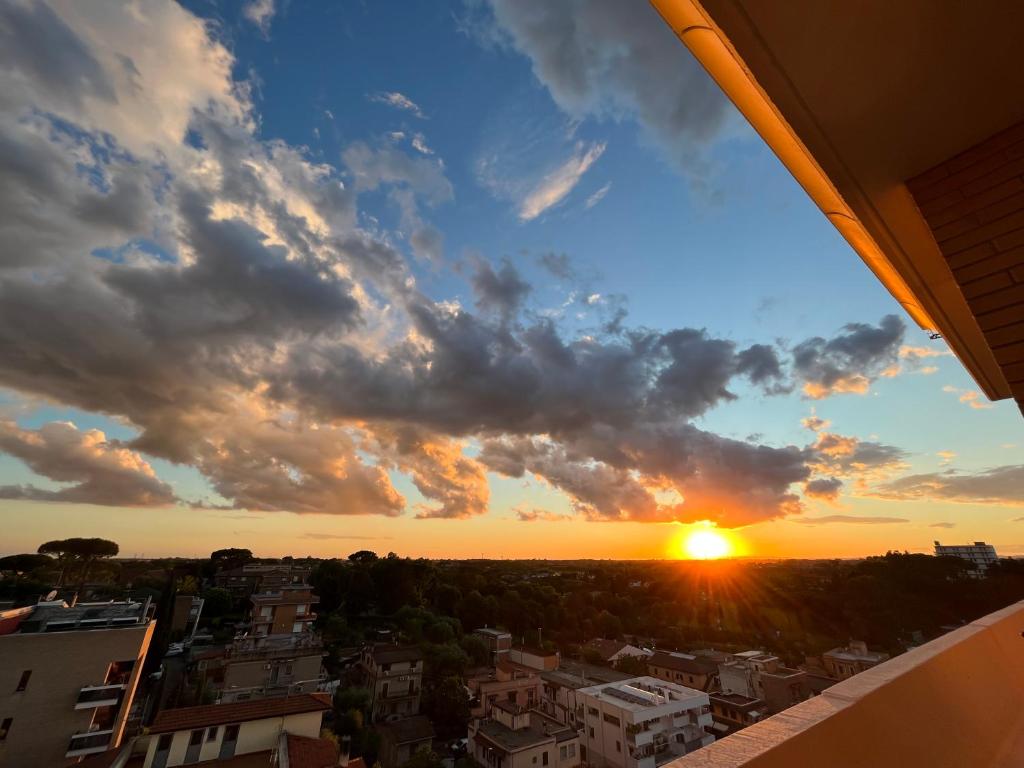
99 695
89 743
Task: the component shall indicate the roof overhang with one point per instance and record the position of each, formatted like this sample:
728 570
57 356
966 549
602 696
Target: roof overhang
857 98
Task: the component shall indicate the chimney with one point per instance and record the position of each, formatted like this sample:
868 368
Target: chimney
344 748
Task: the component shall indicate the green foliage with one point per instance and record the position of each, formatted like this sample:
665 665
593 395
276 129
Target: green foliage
476 649
425 758
217 602
186 585
25 564
447 706
78 554
230 558
632 665
363 556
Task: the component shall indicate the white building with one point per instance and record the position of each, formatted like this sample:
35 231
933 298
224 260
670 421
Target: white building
641 722
979 553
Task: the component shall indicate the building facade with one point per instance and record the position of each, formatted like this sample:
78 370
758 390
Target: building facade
516 737
68 675
394 676
224 731
683 669
499 642
759 675
401 739
642 722
841 663
506 682
979 554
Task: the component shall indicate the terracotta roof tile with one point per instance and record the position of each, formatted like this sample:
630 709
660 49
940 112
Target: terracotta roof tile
304 752
188 718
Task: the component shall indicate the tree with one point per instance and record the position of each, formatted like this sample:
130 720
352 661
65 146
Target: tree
81 552
632 665
425 758
23 564
216 602
230 558
477 650
447 705
363 556
187 585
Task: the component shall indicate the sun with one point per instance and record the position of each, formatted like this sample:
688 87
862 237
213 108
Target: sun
706 545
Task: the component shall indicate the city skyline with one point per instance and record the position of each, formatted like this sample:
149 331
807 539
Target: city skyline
268 283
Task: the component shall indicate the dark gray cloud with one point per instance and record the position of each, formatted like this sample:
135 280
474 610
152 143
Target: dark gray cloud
614 59
825 488
100 471
501 291
851 360
558 264
999 485
540 515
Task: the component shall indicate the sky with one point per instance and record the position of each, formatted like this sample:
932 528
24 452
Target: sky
489 278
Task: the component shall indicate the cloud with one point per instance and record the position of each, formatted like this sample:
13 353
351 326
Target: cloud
608 59
849 361
226 297
999 485
815 423
558 264
100 471
942 525
419 143
260 13
846 456
824 488
557 184
946 456
398 101
969 397
598 196
540 515
855 519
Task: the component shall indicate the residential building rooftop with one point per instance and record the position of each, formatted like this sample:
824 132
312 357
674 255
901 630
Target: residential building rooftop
59 616
394 654
638 694
682 662
409 729
188 718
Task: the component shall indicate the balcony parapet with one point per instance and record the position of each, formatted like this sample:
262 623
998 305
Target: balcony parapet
955 702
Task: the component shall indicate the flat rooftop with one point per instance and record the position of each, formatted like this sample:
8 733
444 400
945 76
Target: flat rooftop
58 616
641 693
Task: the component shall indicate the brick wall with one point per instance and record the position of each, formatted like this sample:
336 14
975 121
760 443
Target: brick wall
974 204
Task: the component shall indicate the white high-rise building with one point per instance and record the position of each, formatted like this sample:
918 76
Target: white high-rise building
642 722
981 554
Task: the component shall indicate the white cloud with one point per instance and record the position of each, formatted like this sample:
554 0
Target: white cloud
969 397
398 101
260 13
598 196
557 185
419 143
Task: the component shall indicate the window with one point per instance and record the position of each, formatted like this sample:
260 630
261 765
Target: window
563 753
23 682
592 711
300 610
611 719
195 738
544 757
591 731
211 734
5 727
618 746
534 759
266 612
297 627
572 750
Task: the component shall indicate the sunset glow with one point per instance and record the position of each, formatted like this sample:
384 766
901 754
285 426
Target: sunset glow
706 545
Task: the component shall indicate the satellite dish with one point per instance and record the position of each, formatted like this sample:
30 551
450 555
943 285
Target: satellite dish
52 595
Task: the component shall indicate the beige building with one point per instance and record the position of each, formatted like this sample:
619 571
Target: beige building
841 663
282 609
222 731
394 676
401 739
516 737
534 658
506 682
499 642
559 688
68 676
684 669
259 667
760 675
642 722
734 711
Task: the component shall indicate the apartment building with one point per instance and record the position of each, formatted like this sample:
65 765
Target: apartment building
498 641
979 554
517 737
68 675
535 658
683 669
506 682
242 582
282 609
401 739
760 675
642 722
394 676
841 663
559 688
255 667
269 729
734 711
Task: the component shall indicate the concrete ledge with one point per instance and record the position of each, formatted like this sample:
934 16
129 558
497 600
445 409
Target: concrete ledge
955 702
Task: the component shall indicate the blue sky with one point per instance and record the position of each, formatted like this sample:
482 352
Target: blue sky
464 139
